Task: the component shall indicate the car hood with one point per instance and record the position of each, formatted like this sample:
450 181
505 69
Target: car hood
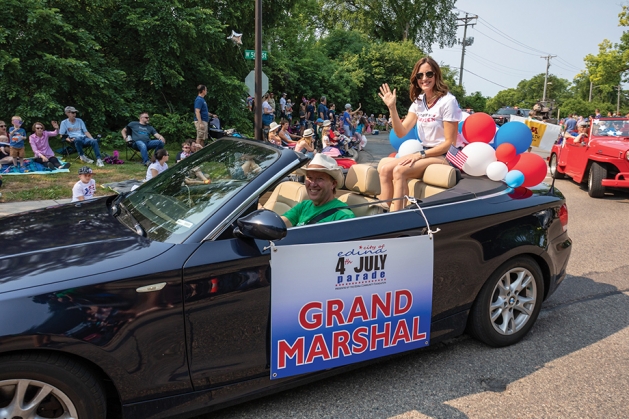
610 147
67 242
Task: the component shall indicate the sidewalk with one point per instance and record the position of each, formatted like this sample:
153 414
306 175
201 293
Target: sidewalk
378 146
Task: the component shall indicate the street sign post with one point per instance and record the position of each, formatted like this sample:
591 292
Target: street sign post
251 83
251 55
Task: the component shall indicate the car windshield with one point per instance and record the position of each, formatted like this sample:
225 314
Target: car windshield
509 111
174 203
610 127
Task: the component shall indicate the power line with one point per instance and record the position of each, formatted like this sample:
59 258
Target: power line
508 46
482 77
499 32
567 63
494 63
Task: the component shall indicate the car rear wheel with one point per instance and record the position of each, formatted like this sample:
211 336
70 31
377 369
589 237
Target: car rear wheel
35 386
597 173
553 167
508 304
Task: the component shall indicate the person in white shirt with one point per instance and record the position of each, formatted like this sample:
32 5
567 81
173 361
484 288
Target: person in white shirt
85 188
283 107
158 164
436 114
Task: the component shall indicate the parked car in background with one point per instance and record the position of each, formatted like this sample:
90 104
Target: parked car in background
503 115
601 159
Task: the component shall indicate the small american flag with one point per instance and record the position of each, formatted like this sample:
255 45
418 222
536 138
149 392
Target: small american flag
456 157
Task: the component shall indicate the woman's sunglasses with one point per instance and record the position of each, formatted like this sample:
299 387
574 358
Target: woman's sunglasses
428 74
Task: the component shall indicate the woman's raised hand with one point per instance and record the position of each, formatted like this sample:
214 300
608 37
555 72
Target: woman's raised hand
387 96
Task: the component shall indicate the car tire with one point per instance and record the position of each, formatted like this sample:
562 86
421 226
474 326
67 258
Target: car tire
505 310
49 385
597 173
553 167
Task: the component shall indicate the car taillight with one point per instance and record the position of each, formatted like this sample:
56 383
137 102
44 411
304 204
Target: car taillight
563 216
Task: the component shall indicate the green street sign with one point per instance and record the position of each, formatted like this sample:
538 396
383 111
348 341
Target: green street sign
251 55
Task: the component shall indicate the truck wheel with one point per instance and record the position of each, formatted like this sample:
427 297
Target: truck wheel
508 304
48 386
553 167
598 172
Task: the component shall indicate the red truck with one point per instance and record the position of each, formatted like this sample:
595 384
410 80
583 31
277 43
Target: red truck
601 157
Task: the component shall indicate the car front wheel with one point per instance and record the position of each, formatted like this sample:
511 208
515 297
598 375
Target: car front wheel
598 172
553 168
508 304
34 386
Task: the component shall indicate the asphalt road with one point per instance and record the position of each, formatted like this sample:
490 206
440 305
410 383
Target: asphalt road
573 364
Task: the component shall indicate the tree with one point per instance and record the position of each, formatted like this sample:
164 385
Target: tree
475 101
423 22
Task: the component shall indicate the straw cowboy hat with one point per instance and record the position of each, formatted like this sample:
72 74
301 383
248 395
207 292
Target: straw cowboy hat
327 123
326 164
308 133
274 125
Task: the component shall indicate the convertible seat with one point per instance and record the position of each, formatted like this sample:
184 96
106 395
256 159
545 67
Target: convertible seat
285 196
437 178
364 180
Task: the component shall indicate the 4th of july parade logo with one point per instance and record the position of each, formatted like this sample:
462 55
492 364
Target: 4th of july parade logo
361 266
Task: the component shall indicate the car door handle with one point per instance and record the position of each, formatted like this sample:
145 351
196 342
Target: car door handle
151 288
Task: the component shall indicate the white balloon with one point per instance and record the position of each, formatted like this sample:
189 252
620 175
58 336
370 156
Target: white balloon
497 171
410 147
479 156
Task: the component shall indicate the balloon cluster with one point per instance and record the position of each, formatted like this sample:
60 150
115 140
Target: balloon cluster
505 161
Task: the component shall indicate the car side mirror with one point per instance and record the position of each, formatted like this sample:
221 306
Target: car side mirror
261 224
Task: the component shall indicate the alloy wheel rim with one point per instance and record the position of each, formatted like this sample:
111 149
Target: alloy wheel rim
513 301
32 399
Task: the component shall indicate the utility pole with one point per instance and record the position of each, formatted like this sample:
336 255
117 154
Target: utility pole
548 57
465 42
619 87
258 71
590 99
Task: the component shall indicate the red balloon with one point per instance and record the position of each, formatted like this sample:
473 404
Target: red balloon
479 127
533 167
393 154
505 152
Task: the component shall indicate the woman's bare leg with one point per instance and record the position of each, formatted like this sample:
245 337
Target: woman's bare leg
401 175
386 180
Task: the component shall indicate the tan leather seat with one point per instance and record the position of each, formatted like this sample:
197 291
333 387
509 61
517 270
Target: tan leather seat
285 196
437 178
364 180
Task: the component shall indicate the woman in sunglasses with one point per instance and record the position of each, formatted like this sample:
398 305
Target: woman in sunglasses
41 148
436 114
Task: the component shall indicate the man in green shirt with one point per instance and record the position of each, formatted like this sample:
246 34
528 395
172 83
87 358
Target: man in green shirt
323 175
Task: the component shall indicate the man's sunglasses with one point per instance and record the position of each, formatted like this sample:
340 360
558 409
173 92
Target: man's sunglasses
428 74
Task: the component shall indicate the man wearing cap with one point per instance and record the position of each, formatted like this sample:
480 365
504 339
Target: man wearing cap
323 176
138 135
581 135
78 134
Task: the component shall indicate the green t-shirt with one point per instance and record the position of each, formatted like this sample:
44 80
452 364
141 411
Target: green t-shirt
303 212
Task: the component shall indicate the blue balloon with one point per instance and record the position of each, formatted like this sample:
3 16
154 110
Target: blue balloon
514 178
461 127
397 142
516 133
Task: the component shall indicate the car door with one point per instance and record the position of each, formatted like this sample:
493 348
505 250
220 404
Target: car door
577 161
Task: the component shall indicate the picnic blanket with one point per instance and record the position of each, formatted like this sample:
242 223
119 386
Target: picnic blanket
30 168
122 186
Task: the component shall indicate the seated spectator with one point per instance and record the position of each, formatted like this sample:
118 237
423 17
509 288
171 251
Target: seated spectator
158 164
274 138
186 150
86 186
285 136
306 144
196 177
323 176
42 152
3 128
138 133
78 135
5 150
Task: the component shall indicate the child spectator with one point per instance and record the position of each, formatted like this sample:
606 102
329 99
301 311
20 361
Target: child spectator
85 188
17 135
158 164
186 150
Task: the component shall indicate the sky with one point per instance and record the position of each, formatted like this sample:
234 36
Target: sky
570 29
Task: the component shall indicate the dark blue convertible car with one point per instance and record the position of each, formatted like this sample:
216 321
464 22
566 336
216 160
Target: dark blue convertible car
143 305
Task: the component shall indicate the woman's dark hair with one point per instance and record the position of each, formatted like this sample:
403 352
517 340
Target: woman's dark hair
440 88
159 154
35 126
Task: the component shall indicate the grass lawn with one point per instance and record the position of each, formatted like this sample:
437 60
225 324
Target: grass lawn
59 185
